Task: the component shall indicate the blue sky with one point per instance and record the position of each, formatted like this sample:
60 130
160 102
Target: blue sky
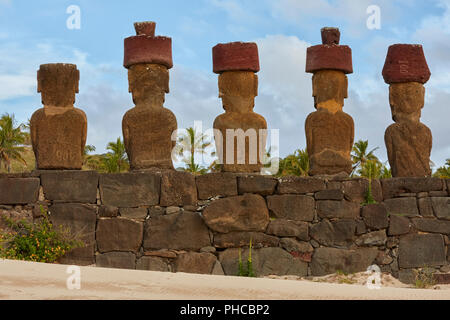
32 33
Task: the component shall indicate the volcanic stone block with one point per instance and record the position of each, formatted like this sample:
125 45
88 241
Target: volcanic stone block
235 56
425 207
334 234
130 190
286 228
216 184
84 256
178 189
292 245
420 250
395 186
119 235
441 207
266 261
19 191
108 212
356 190
338 209
298 185
398 225
152 264
375 216
242 239
376 238
264 186
292 207
192 262
183 231
432 225
134 213
402 207
329 260
116 260
329 195
70 186
241 213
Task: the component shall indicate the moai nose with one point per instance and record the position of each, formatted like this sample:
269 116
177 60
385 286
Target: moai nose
331 36
145 28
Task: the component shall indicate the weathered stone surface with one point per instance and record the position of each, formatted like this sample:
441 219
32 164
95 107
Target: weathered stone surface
119 235
266 261
183 231
432 225
298 185
218 270
292 207
437 194
19 191
242 239
425 207
375 216
292 245
156 211
134 213
398 225
84 256
235 56
173 210
192 262
329 260
402 207
58 131
286 228
264 186
70 186
360 227
334 234
441 207
130 190
152 264
330 195
216 184
448 186
178 189
108 212
116 260
395 186
241 129
241 213
338 209
163 253
417 251
356 190
376 238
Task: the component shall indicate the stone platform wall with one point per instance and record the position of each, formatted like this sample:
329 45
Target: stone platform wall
176 222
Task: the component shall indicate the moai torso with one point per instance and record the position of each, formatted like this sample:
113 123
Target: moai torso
58 131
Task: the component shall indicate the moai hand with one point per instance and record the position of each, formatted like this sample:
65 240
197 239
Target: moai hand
329 131
147 128
242 141
58 131
408 141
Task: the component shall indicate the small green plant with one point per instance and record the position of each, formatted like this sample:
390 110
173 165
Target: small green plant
369 196
38 242
249 271
424 278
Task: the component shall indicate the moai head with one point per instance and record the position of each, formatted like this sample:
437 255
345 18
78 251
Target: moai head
148 60
58 84
330 63
406 71
237 64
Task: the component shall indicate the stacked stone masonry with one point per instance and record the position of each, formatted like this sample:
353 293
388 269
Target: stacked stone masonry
176 222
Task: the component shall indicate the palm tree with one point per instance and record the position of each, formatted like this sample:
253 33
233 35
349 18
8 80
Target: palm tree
192 143
443 172
360 155
296 164
12 139
116 161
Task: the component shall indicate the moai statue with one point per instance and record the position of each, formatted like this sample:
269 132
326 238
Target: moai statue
242 139
330 132
148 127
408 141
58 131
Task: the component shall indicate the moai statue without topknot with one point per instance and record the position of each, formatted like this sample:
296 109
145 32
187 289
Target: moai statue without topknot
147 128
408 141
242 141
330 132
58 131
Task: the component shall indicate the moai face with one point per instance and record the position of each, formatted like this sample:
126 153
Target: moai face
58 84
330 88
407 101
148 84
238 90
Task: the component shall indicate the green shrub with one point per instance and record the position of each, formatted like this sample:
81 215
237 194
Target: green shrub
249 271
38 242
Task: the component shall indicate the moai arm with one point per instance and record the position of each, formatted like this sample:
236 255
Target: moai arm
389 145
126 135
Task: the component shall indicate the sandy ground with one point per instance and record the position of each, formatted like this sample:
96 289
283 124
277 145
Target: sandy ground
34 281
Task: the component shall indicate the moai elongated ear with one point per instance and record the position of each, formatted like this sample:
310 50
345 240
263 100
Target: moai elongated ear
39 82
346 88
77 81
166 82
256 83
313 86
